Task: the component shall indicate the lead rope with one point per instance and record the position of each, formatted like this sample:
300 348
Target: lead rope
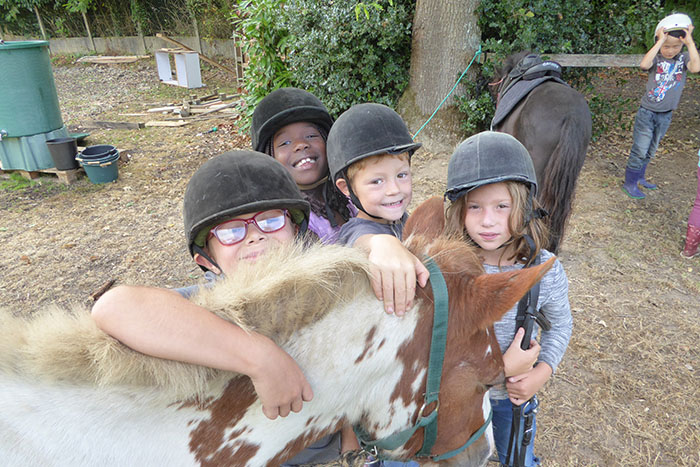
523 415
478 52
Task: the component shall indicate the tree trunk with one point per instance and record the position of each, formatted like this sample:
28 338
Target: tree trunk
445 38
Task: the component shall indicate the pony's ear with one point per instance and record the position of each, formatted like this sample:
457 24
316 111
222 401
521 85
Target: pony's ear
491 295
428 219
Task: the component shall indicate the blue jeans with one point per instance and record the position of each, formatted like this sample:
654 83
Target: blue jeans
649 128
502 419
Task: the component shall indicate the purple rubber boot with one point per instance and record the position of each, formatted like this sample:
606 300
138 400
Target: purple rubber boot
644 182
630 186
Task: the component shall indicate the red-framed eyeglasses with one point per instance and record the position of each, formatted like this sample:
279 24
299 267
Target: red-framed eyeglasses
235 230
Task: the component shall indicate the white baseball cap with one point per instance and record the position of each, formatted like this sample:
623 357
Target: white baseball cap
674 22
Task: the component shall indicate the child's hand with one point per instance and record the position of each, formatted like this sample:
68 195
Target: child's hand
661 35
395 271
688 35
516 360
279 382
522 387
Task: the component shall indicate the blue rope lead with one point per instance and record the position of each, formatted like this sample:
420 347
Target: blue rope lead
451 91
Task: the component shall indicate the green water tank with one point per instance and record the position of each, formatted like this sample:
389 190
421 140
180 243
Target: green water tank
28 99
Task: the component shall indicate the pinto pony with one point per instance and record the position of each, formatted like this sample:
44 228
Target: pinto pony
554 123
71 395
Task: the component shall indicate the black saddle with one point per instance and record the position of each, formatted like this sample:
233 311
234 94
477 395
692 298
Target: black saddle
530 72
530 67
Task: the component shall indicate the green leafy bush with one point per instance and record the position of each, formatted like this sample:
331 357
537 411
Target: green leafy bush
260 22
477 105
346 55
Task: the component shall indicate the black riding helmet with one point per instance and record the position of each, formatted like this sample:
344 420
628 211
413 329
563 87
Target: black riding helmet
366 130
362 131
485 158
492 157
238 182
283 107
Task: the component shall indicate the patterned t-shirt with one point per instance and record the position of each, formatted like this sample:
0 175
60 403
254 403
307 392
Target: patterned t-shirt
665 83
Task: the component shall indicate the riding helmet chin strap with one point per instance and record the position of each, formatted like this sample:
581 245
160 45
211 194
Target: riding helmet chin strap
539 213
355 200
324 192
199 250
530 214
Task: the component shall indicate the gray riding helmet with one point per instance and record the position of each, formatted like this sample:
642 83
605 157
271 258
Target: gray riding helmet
238 182
485 158
366 130
283 107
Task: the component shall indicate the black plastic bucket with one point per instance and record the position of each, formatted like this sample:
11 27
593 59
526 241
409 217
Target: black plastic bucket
99 151
63 152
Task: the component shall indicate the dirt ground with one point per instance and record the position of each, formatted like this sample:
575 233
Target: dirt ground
626 392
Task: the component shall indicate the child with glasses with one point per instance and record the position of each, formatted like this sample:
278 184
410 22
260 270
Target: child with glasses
237 206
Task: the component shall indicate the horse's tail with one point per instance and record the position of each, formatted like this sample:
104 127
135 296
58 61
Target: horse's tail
561 173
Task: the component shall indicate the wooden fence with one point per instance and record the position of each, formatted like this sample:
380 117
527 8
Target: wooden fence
140 45
585 60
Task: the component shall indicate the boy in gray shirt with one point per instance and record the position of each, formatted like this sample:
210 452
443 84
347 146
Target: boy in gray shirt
667 67
369 153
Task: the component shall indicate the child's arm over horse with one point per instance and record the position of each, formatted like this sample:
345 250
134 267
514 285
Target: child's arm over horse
162 323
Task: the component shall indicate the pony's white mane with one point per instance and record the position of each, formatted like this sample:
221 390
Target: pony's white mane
286 290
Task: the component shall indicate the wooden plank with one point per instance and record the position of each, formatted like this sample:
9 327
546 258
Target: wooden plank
118 125
111 59
222 109
595 60
169 108
172 50
64 176
67 176
214 95
219 108
29 175
166 123
202 56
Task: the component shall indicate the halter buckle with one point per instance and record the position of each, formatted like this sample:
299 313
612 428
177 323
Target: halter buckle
372 457
425 405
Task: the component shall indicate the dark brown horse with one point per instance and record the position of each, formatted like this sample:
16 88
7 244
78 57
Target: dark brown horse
554 123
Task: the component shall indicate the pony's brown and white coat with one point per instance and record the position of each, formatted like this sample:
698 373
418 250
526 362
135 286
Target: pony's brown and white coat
71 395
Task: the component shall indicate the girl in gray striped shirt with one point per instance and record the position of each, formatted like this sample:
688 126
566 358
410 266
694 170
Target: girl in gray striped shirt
491 183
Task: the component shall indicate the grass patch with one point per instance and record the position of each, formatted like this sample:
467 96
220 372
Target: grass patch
16 182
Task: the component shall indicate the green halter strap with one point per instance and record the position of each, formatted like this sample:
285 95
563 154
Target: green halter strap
432 390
